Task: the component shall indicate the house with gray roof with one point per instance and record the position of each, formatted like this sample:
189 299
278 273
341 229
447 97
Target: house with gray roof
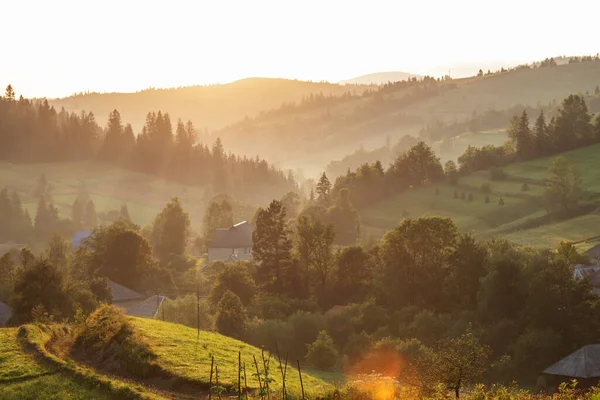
591 269
124 297
583 364
5 313
231 244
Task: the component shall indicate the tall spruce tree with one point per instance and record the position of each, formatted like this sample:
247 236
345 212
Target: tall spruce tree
272 248
323 190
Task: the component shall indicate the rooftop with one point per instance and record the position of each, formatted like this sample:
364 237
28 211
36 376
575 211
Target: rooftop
121 293
237 236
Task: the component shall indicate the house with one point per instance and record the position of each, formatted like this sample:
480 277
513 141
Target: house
582 364
134 303
591 269
5 313
124 297
231 244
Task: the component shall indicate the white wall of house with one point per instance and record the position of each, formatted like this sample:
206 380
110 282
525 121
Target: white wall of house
223 253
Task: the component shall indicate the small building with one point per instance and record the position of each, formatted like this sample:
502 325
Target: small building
232 244
134 303
124 297
5 313
582 365
591 269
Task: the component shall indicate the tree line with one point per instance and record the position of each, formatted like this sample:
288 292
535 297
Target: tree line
33 131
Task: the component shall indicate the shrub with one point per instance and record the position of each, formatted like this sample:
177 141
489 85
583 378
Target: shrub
357 347
525 187
322 353
184 310
470 196
501 201
231 316
107 335
306 327
487 199
462 196
497 174
236 278
485 188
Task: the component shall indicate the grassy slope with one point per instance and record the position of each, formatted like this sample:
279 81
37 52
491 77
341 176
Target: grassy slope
180 352
490 219
21 377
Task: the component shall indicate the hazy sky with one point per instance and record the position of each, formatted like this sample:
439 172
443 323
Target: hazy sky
55 48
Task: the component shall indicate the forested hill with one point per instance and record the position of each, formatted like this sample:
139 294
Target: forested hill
210 107
34 132
314 134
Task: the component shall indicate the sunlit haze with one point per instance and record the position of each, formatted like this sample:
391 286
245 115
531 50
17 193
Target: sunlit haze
58 48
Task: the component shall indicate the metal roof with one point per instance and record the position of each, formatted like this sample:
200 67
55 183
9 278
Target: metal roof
238 236
583 363
121 293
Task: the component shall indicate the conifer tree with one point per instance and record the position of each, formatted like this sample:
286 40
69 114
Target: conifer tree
90 218
272 248
323 190
124 213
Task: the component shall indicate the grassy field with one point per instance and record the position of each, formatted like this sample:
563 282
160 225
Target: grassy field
180 352
21 377
514 218
108 186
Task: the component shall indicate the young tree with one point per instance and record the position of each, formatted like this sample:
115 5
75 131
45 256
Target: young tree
323 190
467 267
9 93
541 137
322 353
170 231
353 271
231 316
451 172
40 284
315 246
234 278
272 246
124 213
461 361
563 186
120 254
57 251
521 137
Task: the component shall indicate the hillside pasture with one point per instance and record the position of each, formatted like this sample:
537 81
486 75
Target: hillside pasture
108 186
521 218
22 377
182 352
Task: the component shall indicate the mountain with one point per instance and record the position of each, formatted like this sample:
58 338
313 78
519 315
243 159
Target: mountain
311 135
379 78
210 107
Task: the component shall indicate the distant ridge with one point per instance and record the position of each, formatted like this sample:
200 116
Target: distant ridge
379 78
